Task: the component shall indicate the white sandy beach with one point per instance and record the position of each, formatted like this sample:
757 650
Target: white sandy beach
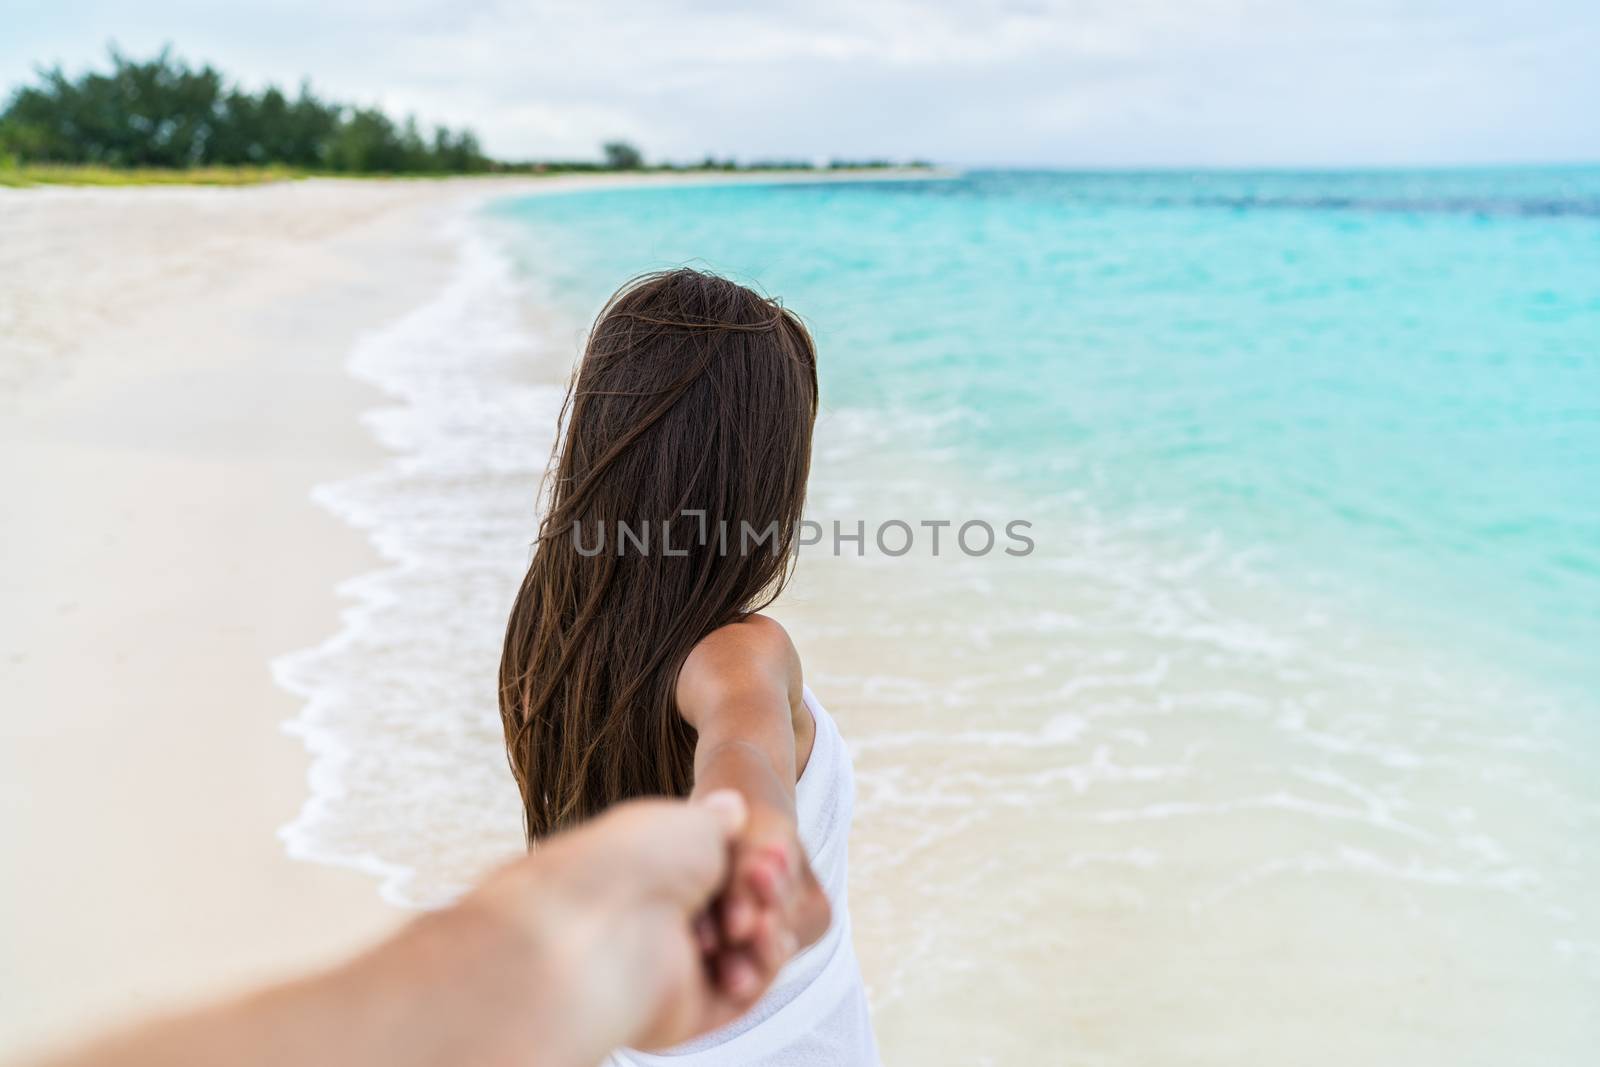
173 385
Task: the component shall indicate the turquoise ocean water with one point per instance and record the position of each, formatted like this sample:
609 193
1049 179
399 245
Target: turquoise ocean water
1383 385
1285 737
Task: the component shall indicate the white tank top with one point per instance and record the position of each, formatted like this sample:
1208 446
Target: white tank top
816 1011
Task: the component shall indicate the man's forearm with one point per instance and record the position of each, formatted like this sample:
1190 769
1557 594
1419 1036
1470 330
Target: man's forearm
552 961
432 995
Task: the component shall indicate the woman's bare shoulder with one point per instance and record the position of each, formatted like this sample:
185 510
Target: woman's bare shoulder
754 652
758 641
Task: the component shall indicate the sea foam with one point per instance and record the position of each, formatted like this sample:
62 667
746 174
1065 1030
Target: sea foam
409 779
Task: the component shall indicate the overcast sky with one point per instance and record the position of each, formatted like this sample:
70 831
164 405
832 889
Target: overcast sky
1066 82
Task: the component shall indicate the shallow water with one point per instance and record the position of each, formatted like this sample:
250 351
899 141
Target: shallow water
1282 741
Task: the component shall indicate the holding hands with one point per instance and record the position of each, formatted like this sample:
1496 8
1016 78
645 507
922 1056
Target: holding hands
740 688
771 908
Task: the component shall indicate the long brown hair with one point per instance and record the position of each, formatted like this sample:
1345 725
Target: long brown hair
672 510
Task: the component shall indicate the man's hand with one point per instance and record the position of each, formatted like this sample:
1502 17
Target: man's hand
611 912
587 944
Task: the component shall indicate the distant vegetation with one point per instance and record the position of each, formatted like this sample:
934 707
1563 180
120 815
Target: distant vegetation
163 113
620 155
163 120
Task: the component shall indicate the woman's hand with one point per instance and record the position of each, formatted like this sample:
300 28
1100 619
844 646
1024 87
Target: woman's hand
772 908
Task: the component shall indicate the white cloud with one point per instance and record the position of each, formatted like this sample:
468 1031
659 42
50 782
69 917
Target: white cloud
1052 81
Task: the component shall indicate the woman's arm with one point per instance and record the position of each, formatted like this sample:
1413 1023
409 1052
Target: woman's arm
741 690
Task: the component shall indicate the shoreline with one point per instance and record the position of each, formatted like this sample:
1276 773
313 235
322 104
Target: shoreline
97 176
497 339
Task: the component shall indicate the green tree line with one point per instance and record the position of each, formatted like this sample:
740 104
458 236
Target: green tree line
164 113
